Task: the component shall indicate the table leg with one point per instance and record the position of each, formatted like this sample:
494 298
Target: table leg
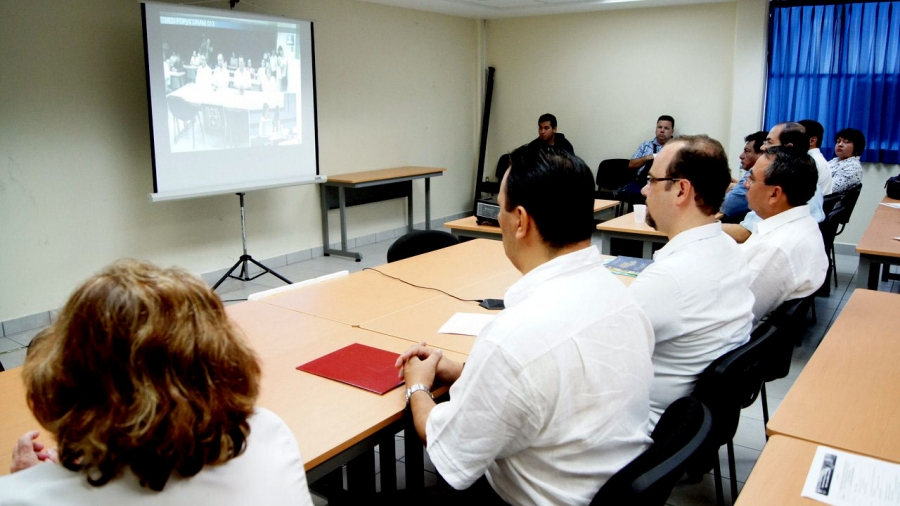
427 203
605 241
324 220
361 475
388 460
647 252
409 208
415 461
866 275
342 199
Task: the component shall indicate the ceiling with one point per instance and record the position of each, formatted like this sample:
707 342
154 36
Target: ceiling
492 9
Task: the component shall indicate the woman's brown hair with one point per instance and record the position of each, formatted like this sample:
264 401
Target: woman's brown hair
142 370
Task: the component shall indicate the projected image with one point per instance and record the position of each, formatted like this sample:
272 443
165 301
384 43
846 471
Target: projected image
230 83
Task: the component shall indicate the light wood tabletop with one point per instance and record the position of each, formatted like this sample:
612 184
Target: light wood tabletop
624 227
326 416
469 227
17 418
626 224
383 174
779 474
847 395
352 299
878 239
453 267
877 245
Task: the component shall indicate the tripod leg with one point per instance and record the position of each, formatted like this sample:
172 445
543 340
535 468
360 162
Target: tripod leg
270 271
227 274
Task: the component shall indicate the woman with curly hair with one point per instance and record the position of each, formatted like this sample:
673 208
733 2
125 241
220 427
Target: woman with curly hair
149 392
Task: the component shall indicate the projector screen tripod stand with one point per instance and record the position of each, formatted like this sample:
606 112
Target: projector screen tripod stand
245 258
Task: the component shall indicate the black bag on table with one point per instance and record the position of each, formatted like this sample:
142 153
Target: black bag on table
893 187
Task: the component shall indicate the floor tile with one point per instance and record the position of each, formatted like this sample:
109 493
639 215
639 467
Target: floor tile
13 358
24 338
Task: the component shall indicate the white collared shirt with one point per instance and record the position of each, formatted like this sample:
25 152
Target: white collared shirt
787 259
554 398
823 169
697 296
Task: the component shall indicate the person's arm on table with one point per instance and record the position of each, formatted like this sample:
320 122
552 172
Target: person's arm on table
29 452
736 231
421 372
447 370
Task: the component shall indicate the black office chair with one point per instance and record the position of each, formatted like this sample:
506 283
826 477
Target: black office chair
729 384
787 321
838 208
613 174
648 479
418 242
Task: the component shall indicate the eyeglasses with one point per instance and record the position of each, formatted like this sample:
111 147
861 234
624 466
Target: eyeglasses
651 179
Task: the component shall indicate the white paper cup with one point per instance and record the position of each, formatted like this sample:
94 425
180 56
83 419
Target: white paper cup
640 213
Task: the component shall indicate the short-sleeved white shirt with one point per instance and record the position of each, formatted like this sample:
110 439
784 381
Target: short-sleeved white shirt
697 296
554 397
824 183
270 471
787 259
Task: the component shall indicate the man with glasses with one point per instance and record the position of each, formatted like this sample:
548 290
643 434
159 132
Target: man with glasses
793 136
785 253
696 293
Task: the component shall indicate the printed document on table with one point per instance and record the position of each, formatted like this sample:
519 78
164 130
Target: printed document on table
467 324
842 478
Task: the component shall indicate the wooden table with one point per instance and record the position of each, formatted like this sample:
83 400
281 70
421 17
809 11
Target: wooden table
779 474
877 246
368 179
16 419
469 227
847 396
367 295
333 422
624 227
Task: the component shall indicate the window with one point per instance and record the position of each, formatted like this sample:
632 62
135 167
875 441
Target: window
840 65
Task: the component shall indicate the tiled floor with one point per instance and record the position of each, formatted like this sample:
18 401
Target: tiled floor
749 439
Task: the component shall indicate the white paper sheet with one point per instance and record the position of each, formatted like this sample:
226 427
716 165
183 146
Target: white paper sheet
467 324
891 204
841 478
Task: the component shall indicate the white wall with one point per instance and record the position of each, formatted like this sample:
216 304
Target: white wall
395 87
608 75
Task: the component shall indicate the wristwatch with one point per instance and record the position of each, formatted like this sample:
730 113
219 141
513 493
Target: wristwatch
416 388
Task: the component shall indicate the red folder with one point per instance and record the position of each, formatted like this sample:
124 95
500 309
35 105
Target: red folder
359 365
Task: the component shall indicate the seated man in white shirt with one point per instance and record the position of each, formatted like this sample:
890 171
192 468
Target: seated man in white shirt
785 253
697 291
816 132
554 396
792 135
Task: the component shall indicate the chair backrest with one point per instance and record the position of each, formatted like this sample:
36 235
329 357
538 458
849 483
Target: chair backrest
732 382
614 173
213 118
418 242
649 478
846 205
788 322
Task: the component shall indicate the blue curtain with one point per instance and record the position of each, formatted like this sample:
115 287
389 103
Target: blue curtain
839 65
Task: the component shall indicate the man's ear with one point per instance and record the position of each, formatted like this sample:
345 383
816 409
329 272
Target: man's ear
525 223
776 194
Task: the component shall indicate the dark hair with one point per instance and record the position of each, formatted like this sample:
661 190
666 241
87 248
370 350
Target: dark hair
813 129
856 137
556 189
795 135
143 370
547 117
666 117
794 172
703 162
758 138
